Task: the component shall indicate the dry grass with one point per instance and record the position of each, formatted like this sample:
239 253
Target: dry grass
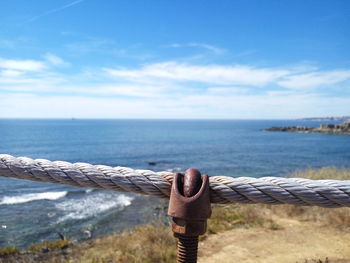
145 244
324 173
49 245
330 217
155 243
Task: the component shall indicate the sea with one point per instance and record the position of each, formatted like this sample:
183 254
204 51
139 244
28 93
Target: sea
32 212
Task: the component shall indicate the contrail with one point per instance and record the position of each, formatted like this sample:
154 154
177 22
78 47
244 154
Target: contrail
53 11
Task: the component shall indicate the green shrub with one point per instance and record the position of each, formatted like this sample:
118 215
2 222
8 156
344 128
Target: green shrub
6 251
49 245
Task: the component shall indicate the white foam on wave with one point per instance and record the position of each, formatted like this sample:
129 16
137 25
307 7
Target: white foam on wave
175 169
92 205
19 199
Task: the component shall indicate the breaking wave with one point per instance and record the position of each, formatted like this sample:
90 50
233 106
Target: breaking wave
19 199
92 205
175 169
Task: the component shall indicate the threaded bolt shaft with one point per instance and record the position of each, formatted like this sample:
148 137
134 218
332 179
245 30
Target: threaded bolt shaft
187 248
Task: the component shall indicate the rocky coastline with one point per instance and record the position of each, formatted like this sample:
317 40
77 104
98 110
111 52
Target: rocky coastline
343 128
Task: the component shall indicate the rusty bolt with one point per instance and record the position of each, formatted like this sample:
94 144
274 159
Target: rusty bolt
189 206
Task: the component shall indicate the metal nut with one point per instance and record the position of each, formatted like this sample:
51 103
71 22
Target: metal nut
188 228
190 213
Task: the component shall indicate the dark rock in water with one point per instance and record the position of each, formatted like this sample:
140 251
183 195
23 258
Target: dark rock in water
152 163
343 128
62 237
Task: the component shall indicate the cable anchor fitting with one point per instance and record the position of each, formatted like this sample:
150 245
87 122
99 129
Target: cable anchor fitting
189 205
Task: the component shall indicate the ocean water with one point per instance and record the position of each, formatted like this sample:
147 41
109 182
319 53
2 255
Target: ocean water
34 212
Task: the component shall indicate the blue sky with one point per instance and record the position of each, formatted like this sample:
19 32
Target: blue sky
174 59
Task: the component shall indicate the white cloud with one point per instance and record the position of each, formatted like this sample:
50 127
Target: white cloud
315 79
138 91
212 48
211 74
226 90
31 75
55 60
23 65
208 47
168 90
9 73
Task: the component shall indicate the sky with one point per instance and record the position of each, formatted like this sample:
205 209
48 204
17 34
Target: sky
174 59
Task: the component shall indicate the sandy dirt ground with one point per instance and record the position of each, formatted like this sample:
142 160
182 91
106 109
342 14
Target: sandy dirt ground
293 242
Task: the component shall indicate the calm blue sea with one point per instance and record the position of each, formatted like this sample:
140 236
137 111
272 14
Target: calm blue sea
33 212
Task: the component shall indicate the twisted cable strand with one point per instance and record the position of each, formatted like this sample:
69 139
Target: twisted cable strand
267 190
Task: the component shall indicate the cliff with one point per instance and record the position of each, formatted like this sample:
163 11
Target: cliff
343 128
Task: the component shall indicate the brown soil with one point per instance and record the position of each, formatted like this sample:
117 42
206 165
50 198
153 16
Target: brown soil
293 241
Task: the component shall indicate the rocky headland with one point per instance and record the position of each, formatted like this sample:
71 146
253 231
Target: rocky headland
343 128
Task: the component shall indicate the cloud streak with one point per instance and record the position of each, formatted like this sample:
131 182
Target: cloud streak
297 78
52 11
55 60
211 48
210 74
315 79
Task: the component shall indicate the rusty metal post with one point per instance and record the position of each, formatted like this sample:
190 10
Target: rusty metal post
190 208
